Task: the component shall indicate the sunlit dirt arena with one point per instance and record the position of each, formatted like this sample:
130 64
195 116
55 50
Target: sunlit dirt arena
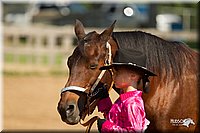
30 103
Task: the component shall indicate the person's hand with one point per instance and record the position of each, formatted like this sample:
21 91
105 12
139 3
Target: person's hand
100 92
100 123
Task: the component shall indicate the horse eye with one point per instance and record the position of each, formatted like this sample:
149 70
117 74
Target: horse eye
85 41
93 66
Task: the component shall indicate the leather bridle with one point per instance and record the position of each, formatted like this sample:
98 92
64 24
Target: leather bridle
90 91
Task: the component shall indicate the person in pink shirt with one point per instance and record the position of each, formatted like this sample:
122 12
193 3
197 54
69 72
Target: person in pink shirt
127 114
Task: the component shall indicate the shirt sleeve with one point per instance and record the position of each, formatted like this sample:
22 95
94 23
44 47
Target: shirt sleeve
104 105
135 119
109 127
136 115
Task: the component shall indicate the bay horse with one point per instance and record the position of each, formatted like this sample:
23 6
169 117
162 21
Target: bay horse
173 92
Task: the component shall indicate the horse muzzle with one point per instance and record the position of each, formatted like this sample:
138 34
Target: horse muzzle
71 102
69 113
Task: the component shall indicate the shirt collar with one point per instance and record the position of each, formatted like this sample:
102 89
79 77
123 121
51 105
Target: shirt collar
135 93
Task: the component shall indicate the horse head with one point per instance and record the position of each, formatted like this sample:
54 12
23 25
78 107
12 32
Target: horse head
90 54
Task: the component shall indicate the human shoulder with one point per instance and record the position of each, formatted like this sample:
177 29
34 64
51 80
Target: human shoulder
134 100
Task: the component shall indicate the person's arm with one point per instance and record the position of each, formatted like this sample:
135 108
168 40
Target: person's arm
104 106
109 127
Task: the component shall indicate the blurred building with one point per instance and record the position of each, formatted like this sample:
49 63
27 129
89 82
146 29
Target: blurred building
91 14
101 14
169 22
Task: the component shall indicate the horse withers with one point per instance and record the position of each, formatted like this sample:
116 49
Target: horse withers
173 93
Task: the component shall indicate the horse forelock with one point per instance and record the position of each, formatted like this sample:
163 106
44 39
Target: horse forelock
91 46
171 59
91 36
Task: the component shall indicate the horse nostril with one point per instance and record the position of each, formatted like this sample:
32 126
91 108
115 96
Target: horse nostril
70 110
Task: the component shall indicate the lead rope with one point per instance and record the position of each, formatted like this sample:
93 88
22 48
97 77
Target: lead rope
90 122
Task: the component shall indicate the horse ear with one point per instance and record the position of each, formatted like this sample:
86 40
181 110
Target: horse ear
79 29
105 35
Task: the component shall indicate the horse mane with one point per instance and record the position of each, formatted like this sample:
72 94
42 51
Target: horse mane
165 58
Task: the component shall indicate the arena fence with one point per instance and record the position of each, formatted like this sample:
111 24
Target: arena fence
50 46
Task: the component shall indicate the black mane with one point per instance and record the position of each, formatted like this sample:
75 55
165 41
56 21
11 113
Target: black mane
163 57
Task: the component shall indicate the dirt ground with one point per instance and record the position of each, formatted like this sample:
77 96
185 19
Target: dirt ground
30 102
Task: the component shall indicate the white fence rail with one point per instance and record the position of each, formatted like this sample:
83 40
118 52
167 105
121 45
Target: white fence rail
50 45
35 44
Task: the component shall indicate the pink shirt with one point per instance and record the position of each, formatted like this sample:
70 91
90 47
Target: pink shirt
127 114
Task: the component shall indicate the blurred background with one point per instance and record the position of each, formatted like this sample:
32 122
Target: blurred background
38 37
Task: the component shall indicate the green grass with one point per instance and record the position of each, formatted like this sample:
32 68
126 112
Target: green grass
45 60
25 59
54 70
15 73
9 58
59 59
35 73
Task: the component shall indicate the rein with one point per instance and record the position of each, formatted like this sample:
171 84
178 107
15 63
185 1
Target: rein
90 91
